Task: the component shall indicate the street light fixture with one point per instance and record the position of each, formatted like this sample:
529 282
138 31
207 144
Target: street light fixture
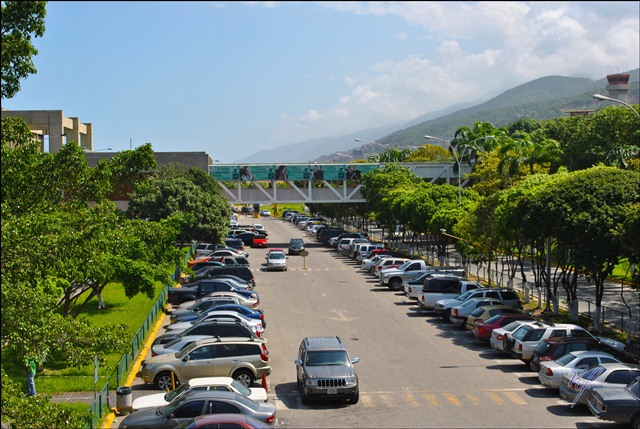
385 146
97 150
458 157
347 155
600 97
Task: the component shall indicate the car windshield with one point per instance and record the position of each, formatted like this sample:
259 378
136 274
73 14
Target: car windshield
321 358
182 353
510 327
296 242
464 295
405 265
276 255
634 387
492 319
241 388
173 394
565 359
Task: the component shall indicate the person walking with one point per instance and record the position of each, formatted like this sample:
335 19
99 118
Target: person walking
31 366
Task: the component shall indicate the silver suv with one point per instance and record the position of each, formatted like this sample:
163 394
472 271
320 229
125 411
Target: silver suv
325 370
243 359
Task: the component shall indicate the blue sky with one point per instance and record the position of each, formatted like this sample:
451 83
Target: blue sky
233 78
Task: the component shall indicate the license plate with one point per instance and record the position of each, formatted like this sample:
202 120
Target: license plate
332 391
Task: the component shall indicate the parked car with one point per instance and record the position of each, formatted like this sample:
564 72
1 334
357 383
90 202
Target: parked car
223 420
201 305
296 245
483 330
368 263
459 313
498 335
195 404
255 324
176 345
324 370
234 261
265 213
276 260
260 240
223 384
243 359
238 245
193 315
388 263
483 313
247 301
526 338
617 405
551 372
218 328
576 387
443 307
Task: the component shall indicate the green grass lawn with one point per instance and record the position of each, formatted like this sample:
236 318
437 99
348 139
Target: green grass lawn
120 309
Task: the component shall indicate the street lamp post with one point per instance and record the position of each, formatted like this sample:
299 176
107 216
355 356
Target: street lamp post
347 155
600 97
386 147
458 157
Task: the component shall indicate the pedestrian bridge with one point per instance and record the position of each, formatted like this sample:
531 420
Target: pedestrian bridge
313 183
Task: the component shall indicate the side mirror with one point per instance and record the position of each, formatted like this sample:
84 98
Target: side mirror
355 360
298 361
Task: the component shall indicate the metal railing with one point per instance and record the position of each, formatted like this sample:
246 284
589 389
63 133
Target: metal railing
101 406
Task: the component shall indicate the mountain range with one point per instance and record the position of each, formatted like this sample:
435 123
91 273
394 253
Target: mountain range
544 98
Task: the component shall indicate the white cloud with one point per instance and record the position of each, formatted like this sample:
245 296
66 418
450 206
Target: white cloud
484 49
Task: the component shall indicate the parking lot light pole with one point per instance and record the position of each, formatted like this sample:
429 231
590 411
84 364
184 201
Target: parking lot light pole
386 147
600 97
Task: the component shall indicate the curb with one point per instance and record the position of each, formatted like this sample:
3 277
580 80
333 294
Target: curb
108 423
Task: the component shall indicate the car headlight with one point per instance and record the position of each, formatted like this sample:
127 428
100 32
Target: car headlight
312 382
351 379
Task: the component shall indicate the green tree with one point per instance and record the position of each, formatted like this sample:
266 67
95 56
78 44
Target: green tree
21 20
610 136
429 153
189 193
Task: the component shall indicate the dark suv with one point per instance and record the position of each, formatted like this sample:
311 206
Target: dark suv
213 329
296 245
325 370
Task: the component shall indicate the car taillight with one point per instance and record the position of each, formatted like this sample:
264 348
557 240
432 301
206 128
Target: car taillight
455 311
548 372
265 353
500 337
520 347
271 419
422 298
258 334
262 316
153 353
545 358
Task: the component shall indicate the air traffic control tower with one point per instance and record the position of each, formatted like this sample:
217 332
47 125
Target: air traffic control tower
618 86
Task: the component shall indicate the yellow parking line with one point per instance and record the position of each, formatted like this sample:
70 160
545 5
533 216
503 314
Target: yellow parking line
387 400
495 398
473 399
515 398
410 400
431 399
142 353
366 400
452 398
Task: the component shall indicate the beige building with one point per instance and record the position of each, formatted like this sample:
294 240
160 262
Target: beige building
56 127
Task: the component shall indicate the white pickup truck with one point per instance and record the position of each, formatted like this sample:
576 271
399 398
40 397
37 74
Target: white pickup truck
410 270
441 288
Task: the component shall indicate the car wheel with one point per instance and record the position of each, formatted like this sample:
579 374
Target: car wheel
304 398
394 284
506 344
447 316
245 377
163 381
355 398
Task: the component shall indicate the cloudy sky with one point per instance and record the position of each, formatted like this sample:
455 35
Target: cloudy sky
232 78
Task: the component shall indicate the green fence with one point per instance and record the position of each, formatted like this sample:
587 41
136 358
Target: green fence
101 406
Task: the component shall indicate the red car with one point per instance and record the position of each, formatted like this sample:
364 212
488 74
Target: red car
482 331
260 241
